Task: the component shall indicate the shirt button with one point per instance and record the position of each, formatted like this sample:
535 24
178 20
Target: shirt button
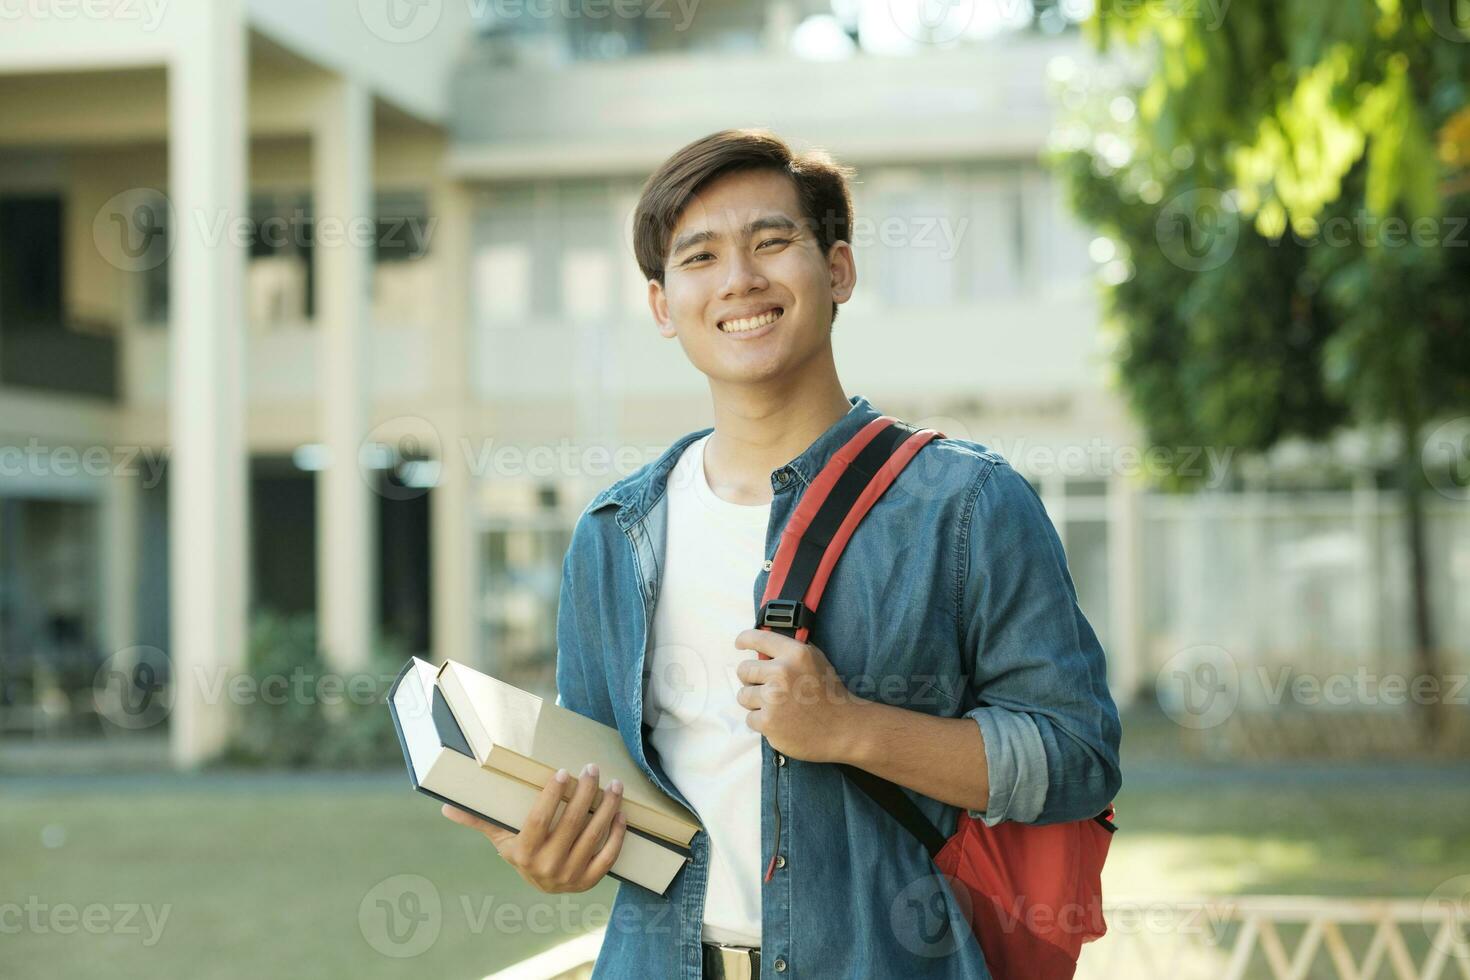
780 759
766 564
783 477
780 860
780 965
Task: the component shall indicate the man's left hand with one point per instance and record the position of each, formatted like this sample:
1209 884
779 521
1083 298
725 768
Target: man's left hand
795 699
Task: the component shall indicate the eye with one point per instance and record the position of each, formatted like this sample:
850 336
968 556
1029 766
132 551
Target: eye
782 241
694 258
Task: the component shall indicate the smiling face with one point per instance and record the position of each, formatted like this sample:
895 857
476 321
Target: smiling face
746 287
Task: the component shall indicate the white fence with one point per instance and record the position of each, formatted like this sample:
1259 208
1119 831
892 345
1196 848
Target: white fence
1220 938
1310 584
1281 938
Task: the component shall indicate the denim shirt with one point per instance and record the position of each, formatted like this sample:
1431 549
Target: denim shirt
952 598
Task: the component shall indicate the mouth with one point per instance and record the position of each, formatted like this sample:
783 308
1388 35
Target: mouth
751 324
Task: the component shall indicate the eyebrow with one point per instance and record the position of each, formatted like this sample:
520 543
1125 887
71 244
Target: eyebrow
699 237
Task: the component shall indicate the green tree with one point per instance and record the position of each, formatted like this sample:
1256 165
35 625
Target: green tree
1284 188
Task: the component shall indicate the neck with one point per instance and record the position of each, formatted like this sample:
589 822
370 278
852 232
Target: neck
759 428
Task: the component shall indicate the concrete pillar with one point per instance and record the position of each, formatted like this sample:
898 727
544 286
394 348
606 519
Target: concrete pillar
342 195
207 182
453 510
1125 590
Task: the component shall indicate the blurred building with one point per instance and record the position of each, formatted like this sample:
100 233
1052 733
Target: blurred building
193 318
398 429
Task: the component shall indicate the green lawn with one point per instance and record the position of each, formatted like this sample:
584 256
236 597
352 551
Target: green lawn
1339 830
275 875
264 876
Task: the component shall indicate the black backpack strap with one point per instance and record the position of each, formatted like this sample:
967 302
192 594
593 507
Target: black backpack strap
899 806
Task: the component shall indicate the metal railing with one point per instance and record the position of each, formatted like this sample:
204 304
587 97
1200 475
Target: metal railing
1281 938
1221 938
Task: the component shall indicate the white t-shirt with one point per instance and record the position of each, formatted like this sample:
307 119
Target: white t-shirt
714 553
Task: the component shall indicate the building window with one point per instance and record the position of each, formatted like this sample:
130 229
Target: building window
545 251
403 227
280 278
521 562
153 280
403 280
502 286
942 236
586 282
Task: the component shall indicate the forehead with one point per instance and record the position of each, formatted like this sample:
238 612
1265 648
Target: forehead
733 200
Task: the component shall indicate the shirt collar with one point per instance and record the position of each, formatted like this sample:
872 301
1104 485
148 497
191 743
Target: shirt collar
810 463
638 491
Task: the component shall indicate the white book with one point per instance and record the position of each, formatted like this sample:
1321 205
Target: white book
442 765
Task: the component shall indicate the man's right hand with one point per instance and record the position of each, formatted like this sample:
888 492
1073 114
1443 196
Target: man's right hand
575 854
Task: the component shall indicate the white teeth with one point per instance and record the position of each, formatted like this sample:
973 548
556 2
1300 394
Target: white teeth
750 323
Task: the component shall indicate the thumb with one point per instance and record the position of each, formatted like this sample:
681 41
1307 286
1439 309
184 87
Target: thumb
496 834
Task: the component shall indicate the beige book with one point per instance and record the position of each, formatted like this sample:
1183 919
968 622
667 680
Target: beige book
441 765
517 733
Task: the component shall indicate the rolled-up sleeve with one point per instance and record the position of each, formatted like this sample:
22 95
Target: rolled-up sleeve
1015 762
1049 723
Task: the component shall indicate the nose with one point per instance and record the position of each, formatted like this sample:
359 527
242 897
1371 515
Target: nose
744 276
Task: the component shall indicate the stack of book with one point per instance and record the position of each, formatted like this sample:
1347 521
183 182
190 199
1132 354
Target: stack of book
489 747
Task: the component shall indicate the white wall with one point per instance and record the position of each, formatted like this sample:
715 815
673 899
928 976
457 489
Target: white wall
627 116
408 64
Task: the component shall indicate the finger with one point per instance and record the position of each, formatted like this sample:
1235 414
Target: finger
466 819
760 640
463 817
538 821
575 817
752 671
593 835
768 644
607 855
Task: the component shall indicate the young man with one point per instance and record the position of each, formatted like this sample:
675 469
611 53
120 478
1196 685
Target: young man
949 656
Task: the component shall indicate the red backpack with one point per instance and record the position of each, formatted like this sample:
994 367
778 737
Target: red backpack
1032 893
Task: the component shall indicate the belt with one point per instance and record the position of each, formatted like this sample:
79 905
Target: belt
725 962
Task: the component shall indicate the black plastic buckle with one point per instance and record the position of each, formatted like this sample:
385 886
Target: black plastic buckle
786 614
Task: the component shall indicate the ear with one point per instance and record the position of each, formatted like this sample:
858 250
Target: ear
842 265
658 304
